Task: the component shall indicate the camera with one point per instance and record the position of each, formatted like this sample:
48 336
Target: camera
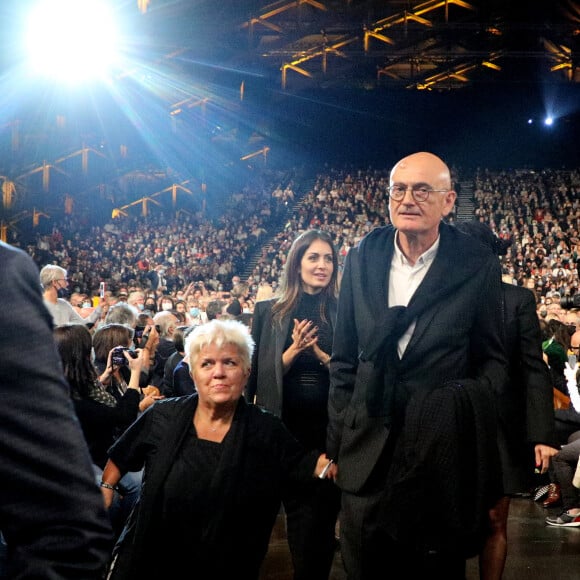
118 358
568 302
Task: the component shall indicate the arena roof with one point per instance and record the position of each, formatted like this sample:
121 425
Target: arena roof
330 74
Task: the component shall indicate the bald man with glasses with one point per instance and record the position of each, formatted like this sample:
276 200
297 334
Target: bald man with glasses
416 361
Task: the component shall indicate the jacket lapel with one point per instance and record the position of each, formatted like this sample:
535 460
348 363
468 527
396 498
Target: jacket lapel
457 261
280 342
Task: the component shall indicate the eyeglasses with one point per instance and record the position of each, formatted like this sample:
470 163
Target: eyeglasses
419 191
575 348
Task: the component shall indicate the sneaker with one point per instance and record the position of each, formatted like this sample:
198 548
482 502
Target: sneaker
565 520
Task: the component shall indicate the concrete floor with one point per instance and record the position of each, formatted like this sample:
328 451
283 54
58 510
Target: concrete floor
536 551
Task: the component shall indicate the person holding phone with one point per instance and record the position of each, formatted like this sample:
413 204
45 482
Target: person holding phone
54 282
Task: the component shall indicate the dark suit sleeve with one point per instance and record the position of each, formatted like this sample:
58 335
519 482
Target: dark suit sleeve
344 360
258 321
536 378
182 382
51 510
487 339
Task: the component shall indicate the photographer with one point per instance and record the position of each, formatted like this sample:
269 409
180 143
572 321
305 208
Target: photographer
115 375
146 336
103 416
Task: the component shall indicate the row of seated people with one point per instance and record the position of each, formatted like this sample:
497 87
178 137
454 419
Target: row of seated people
346 203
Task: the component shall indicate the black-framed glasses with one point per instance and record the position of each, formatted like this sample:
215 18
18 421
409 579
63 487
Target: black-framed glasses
574 347
419 191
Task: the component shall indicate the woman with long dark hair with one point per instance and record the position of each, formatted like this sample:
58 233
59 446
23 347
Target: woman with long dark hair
293 334
102 416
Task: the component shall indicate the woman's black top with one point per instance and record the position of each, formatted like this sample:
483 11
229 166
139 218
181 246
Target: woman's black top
306 384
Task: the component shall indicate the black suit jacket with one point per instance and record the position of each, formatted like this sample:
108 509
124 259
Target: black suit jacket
52 514
526 410
457 336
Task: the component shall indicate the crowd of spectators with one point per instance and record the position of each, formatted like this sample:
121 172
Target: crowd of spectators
254 228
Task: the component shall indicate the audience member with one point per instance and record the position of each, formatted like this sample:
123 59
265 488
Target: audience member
116 377
562 472
102 416
173 360
136 299
567 420
167 323
555 346
53 520
55 287
122 313
215 309
526 413
150 304
238 294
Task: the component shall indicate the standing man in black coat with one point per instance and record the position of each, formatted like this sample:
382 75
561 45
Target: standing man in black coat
416 361
51 510
527 439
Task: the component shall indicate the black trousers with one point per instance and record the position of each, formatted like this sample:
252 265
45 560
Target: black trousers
311 514
366 546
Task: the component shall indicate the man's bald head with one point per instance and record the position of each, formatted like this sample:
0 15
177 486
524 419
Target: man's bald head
438 173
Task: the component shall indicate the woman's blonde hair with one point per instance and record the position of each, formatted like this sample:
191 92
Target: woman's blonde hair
220 332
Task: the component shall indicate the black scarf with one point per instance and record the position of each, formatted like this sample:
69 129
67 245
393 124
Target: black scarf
457 259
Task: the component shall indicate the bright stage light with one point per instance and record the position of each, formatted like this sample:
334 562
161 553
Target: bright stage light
72 40
549 121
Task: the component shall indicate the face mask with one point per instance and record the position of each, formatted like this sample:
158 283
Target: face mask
63 293
166 306
86 304
194 312
141 306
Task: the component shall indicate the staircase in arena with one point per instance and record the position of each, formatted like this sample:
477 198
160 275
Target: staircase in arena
465 203
276 226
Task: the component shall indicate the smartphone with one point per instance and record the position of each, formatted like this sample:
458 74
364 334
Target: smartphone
102 289
572 361
138 336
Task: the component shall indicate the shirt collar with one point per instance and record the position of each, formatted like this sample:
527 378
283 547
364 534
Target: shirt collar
425 259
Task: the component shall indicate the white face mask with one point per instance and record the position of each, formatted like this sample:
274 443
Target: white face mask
166 306
86 304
